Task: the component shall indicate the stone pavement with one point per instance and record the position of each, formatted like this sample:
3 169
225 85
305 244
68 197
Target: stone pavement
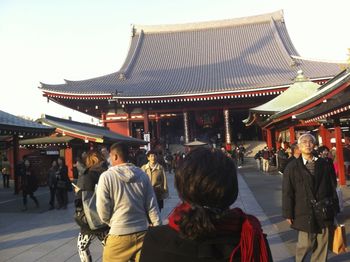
42 235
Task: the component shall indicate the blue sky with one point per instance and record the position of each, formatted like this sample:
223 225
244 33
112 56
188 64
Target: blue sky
48 41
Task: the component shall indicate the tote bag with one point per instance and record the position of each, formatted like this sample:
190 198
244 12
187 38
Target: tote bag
337 241
90 210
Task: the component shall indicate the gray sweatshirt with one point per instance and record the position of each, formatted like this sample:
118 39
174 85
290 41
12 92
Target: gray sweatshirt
125 200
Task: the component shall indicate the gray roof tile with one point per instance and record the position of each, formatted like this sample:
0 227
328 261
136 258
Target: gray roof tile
242 55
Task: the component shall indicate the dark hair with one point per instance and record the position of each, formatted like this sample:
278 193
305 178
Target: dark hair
121 149
151 152
207 180
322 148
293 147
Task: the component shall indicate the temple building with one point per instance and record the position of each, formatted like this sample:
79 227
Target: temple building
194 81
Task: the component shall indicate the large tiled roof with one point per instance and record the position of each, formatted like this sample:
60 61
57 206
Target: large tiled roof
80 129
243 54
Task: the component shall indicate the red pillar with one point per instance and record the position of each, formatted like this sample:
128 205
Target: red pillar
128 123
158 125
325 136
145 122
15 162
340 157
292 134
269 138
68 156
278 142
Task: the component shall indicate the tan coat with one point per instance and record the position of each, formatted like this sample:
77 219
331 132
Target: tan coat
158 180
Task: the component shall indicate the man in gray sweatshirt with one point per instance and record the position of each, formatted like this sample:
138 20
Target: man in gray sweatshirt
126 202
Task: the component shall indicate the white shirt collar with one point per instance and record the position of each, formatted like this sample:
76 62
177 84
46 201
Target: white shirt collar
305 160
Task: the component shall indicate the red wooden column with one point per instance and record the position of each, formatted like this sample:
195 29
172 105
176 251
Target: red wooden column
68 156
128 121
158 125
15 163
292 134
325 136
278 142
145 122
227 129
339 152
269 138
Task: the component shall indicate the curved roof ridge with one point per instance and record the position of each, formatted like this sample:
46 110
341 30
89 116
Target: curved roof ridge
125 69
318 60
281 44
277 15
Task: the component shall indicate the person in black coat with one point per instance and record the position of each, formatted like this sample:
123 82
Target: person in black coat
305 181
323 152
95 166
29 185
63 183
203 227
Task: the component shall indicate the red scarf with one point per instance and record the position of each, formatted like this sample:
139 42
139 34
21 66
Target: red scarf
237 222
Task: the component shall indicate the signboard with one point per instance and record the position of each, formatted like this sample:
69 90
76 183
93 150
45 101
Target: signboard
147 138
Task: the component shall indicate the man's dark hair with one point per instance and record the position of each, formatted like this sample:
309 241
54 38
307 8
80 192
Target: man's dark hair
151 152
322 148
207 180
121 149
293 147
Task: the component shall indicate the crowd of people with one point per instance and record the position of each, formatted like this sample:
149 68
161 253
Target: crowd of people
127 189
129 200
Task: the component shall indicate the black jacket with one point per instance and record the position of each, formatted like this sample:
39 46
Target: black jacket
296 202
163 243
87 182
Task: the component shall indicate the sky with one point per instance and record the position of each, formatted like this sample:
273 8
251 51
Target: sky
49 41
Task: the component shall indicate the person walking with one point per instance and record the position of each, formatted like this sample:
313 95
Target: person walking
282 157
62 184
309 201
266 154
204 227
156 175
29 185
127 203
5 172
94 163
52 183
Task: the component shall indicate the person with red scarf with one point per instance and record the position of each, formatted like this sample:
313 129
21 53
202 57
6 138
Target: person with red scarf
204 227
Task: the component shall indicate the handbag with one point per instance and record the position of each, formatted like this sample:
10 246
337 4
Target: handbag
90 210
324 209
337 239
61 184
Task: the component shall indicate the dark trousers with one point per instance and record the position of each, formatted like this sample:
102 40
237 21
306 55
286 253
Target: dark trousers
52 196
160 204
62 197
31 195
6 180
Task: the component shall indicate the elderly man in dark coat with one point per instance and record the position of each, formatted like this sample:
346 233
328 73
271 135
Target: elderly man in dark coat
307 192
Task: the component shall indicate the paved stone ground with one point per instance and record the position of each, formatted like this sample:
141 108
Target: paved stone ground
42 235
